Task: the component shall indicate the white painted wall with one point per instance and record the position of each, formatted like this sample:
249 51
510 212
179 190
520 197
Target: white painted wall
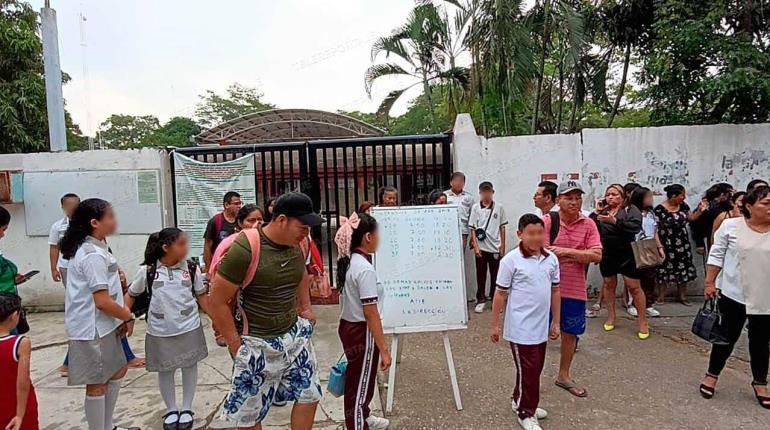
694 156
31 253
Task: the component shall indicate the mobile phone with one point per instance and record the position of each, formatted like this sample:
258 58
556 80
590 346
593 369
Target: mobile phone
31 274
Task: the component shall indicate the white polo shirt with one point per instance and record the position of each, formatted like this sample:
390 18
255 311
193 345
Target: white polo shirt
528 280
464 200
92 269
173 307
724 253
361 289
478 219
57 232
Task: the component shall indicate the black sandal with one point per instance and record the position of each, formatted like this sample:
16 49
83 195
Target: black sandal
188 425
708 392
764 401
173 425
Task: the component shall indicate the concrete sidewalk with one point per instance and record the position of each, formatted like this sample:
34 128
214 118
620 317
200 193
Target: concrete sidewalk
140 404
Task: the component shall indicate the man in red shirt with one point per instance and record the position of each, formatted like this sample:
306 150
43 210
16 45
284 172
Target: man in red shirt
575 240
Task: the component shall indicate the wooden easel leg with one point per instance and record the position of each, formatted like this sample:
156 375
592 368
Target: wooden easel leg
400 350
452 374
392 374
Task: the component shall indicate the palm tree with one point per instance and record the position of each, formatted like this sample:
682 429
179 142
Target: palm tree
421 44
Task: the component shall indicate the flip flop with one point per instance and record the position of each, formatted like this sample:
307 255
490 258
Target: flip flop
572 388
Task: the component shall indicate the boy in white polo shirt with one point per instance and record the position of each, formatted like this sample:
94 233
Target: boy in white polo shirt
530 276
487 231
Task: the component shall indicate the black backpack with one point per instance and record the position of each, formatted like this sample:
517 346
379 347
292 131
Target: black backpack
141 304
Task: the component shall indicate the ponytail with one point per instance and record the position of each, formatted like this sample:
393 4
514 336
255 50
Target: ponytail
366 224
80 225
155 243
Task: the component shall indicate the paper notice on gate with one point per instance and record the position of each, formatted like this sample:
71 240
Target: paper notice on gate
200 188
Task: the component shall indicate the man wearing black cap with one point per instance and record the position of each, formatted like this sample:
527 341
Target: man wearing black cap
487 227
274 359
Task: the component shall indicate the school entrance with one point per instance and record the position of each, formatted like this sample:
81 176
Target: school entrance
338 174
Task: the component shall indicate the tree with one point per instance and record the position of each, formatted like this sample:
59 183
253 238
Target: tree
128 131
420 44
708 62
237 101
176 132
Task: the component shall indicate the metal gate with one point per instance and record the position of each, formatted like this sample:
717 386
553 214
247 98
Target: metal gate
340 174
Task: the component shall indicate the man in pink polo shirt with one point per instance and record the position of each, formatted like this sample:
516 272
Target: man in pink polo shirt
575 240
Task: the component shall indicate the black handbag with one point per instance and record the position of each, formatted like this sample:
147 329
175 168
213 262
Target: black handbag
23 326
481 233
709 324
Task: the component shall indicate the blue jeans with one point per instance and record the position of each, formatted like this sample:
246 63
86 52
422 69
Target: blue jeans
126 349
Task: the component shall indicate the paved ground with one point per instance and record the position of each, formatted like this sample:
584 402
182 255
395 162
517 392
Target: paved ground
140 403
632 384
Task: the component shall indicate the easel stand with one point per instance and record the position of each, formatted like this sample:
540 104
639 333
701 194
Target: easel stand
396 354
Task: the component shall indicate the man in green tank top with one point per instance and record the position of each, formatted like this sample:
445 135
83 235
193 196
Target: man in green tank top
275 362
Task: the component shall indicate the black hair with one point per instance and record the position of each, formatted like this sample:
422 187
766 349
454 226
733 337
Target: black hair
9 303
69 196
365 206
737 195
229 196
630 187
266 214
754 183
752 197
529 219
80 225
5 217
549 189
245 210
717 190
154 249
433 196
386 189
367 224
637 198
674 190
457 175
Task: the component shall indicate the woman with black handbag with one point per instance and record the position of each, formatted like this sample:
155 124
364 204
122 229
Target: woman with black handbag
736 275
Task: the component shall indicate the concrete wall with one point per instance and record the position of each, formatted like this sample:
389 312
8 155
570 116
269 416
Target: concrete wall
694 156
31 253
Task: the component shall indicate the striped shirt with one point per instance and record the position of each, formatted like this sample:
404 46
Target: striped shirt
581 234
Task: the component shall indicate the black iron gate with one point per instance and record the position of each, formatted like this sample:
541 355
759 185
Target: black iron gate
341 174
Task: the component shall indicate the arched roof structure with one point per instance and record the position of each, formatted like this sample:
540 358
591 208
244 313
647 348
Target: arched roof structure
286 125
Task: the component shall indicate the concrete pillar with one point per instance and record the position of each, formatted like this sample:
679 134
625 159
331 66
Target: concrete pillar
53 80
465 138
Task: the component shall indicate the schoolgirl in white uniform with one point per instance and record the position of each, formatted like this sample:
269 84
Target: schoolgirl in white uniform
95 315
360 327
175 337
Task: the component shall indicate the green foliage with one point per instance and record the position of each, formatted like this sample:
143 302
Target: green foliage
128 131
176 132
23 115
238 100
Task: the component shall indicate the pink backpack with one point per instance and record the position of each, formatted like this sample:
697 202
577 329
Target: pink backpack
252 234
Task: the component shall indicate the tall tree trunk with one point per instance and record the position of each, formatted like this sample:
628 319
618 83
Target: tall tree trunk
573 113
622 87
561 88
544 48
426 88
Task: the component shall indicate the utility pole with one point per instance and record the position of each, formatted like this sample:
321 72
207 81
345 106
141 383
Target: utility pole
52 67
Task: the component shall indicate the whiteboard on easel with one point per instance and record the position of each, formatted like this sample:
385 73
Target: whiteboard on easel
420 266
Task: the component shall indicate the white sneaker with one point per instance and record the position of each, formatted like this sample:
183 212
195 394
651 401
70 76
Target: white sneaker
632 311
652 312
529 423
479 308
540 413
377 423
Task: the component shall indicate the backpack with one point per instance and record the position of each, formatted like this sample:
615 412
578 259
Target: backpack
219 220
141 304
252 234
555 226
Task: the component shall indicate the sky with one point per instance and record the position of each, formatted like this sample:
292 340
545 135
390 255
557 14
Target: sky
154 57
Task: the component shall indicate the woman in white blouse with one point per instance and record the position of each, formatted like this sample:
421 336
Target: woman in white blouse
736 275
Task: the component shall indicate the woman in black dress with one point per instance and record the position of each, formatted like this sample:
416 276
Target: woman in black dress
673 216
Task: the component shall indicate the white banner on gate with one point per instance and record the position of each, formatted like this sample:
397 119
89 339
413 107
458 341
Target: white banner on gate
200 188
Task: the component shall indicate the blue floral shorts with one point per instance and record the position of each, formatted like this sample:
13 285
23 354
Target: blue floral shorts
266 370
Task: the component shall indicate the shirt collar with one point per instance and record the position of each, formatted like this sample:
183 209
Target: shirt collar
100 243
524 253
461 193
181 265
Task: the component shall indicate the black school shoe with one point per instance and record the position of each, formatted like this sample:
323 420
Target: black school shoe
172 425
125 428
188 425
